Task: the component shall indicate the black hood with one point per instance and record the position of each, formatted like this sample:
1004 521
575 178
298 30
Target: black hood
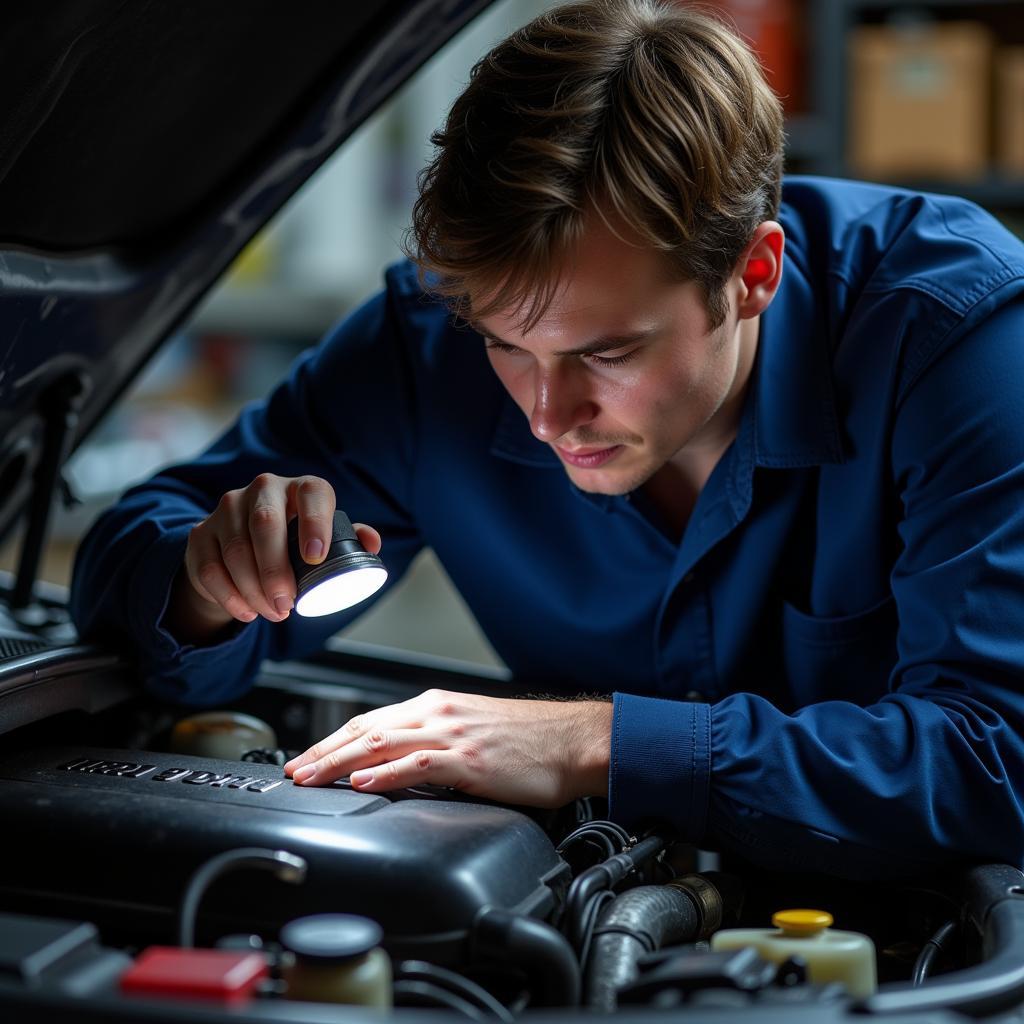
142 145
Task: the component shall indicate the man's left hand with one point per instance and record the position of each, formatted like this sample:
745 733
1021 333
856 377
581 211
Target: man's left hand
532 752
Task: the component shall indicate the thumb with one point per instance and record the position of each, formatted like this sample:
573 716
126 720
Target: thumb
368 537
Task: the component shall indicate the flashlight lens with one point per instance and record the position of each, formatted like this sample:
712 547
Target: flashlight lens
342 591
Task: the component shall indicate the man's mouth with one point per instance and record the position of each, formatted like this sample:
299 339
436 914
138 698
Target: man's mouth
589 457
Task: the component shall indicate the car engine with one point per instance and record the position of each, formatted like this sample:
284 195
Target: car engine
147 865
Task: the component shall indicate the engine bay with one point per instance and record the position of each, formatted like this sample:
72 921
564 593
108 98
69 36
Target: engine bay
147 875
422 867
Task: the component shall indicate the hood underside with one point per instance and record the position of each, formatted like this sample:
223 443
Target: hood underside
141 147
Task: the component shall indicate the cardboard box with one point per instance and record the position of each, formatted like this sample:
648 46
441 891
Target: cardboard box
1010 110
920 101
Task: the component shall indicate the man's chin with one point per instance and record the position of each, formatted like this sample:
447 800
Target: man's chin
609 481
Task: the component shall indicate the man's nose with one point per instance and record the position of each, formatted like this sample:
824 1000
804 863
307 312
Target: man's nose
561 402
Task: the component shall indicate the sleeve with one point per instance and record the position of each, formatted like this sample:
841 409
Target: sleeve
347 413
932 774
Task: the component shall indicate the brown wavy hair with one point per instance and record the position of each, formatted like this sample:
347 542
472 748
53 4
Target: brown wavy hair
647 111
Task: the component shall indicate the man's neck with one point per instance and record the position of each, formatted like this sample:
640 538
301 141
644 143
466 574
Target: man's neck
675 488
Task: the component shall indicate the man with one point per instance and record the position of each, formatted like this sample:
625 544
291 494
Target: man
755 469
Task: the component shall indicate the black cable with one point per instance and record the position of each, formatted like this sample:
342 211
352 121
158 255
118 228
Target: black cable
590 836
601 877
994 905
591 914
614 828
286 866
608 828
458 984
930 950
426 993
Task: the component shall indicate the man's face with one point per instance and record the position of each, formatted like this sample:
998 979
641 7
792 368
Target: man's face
622 373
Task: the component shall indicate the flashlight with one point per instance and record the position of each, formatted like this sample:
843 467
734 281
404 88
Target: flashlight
349 574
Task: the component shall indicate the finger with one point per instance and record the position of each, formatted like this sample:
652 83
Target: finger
268 528
436 767
351 730
210 578
237 554
405 715
368 537
313 501
374 748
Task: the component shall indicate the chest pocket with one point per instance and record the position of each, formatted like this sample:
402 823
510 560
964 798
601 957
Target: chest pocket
846 658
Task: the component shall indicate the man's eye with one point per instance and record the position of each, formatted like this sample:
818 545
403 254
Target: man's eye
596 360
615 360
500 346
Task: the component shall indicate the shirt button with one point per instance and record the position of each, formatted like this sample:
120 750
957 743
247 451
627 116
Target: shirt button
694 696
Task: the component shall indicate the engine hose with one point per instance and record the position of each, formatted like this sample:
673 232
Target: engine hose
640 921
600 878
535 947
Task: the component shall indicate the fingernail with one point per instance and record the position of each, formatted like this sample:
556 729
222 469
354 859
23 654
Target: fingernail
363 778
248 616
314 549
283 604
305 773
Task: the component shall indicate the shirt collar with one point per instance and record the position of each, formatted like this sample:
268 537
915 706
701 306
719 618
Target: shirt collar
791 388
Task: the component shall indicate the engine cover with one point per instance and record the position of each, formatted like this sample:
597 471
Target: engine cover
113 836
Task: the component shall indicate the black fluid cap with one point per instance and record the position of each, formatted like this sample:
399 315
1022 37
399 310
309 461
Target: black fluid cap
331 938
349 574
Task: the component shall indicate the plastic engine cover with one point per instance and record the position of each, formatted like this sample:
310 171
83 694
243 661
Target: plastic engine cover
113 836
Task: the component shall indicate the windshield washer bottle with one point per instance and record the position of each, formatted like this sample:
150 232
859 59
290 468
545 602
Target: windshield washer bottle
830 954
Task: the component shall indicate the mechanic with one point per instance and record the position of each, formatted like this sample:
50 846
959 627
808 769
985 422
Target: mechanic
752 467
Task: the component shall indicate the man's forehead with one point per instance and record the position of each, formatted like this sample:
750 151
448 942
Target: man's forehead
608 270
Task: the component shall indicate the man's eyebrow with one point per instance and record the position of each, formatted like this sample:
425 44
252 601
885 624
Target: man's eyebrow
605 343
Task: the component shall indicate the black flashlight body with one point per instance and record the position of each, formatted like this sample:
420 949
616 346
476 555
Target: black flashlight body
344 554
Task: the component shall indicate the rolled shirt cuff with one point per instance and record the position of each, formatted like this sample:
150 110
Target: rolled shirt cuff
660 765
186 673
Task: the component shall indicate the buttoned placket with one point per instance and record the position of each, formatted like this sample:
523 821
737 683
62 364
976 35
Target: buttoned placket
683 630
682 637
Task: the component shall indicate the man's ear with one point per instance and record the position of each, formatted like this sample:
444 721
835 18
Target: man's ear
759 269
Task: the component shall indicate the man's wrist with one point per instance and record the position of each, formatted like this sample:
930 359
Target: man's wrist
190 618
588 772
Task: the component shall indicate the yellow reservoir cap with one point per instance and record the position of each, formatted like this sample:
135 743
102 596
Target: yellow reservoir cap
802 922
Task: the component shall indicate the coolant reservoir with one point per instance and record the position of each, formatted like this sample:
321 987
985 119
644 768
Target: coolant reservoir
337 959
222 734
830 954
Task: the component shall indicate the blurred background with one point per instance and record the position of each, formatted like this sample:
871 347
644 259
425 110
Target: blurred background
929 95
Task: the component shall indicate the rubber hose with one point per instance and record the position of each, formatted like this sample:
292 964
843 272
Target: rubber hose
541 951
639 921
602 877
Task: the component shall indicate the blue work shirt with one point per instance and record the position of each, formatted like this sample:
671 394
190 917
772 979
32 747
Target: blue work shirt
826 672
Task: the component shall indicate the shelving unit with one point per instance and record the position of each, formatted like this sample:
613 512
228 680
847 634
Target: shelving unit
817 136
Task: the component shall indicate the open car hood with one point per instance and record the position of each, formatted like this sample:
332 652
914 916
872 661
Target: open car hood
142 146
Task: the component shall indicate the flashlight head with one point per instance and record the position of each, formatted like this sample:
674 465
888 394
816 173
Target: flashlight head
349 574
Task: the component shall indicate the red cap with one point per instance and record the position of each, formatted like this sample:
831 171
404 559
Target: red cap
223 974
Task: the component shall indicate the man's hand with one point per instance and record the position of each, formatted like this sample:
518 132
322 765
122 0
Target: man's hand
538 753
236 563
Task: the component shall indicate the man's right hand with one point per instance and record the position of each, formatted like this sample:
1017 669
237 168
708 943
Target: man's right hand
236 563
